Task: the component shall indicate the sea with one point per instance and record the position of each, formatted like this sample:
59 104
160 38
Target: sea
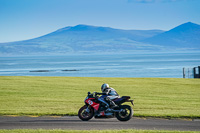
163 65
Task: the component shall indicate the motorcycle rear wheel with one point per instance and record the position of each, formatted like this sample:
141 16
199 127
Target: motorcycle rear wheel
84 115
126 114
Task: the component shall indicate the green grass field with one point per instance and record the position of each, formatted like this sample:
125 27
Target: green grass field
153 97
92 131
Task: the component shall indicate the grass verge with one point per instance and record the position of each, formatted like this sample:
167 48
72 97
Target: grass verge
153 97
89 131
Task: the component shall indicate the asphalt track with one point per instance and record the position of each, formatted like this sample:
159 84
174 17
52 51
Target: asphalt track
74 123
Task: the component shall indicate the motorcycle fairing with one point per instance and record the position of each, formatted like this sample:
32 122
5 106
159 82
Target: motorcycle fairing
92 103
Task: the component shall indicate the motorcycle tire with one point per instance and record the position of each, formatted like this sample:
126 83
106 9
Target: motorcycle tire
126 114
83 115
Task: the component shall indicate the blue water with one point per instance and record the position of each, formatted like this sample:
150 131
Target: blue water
107 65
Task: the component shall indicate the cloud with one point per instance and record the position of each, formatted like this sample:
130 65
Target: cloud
153 1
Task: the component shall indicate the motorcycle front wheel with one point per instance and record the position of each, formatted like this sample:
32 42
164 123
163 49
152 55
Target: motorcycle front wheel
125 114
85 113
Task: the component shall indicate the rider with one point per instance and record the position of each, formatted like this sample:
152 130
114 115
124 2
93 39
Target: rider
109 94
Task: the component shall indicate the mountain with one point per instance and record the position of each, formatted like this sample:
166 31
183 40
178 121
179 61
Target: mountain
81 38
183 36
93 39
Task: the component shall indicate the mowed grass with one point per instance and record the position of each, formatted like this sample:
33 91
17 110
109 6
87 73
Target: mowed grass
92 131
153 97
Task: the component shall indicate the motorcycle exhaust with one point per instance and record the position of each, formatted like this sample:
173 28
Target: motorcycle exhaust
104 115
118 110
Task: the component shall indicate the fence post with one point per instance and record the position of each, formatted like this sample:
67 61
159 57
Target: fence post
183 72
199 71
194 72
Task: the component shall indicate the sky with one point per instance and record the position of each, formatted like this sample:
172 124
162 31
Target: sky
27 19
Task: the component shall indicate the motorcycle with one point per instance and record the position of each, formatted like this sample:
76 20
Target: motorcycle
98 108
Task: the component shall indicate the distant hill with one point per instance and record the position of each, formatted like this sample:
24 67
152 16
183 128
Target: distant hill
81 38
92 39
186 35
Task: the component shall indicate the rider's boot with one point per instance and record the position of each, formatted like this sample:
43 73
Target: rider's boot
112 104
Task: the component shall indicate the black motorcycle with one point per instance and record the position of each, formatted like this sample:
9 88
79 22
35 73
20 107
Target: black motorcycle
95 107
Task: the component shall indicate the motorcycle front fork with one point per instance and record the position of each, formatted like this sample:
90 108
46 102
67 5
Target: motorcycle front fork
87 109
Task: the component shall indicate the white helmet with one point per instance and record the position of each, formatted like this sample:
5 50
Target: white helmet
104 86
